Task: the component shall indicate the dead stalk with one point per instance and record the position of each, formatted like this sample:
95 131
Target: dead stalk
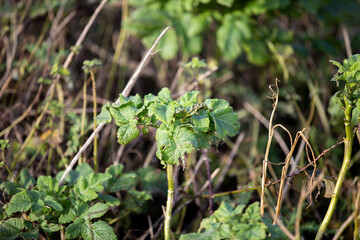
275 98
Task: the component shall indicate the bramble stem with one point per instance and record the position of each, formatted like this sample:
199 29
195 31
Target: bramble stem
169 201
348 142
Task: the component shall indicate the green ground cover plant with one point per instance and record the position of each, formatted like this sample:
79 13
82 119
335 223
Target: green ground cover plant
70 210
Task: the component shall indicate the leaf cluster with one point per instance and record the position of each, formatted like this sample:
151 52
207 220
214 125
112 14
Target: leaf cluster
190 21
182 125
46 206
230 223
348 75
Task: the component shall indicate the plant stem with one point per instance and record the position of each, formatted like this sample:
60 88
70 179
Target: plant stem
119 46
356 213
95 125
83 118
169 201
348 142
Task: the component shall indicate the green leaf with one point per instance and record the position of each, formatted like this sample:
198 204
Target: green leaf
125 182
4 143
227 3
99 230
164 95
128 132
47 184
189 98
20 202
149 99
86 187
257 52
37 209
74 230
173 145
115 170
96 211
10 188
224 212
11 229
51 202
109 200
136 100
201 122
50 227
252 213
207 235
26 180
54 69
122 114
67 217
233 31
84 169
204 140
64 72
225 120
168 44
163 112
81 208
104 116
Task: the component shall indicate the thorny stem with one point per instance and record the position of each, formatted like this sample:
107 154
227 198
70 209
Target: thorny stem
348 142
169 201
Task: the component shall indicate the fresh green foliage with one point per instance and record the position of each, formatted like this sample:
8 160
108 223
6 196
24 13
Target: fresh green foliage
85 197
4 143
90 64
182 126
230 223
348 75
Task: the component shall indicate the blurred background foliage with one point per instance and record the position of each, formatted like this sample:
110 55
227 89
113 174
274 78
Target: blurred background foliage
224 48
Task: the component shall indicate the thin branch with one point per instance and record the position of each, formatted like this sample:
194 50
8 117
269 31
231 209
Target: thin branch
346 40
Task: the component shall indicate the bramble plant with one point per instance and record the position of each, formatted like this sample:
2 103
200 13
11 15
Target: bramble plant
348 99
230 223
48 208
181 127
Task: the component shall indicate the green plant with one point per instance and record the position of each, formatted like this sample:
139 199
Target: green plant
191 20
48 208
230 223
348 76
181 127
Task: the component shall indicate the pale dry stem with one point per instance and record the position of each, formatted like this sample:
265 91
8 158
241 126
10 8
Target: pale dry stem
275 98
